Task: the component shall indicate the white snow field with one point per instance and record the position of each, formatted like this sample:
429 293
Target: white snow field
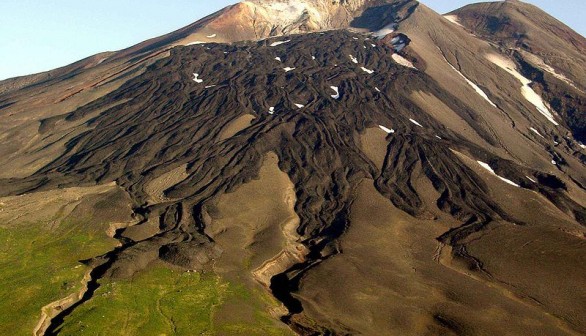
388 130
416 123
388 29
488 168
337 90
473 85
274 44
197 79
368 71
528 93
403 61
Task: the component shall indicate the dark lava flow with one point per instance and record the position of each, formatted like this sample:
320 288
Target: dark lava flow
168 119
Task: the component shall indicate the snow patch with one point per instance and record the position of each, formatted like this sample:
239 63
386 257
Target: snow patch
354 59
537 61
278 59
403 61
487 167
212 36
210 86
194 43
388 29
536 132
439 137
582 146
368 71
388 130
337 90
473 85
287 69
196 78
453 19
528 93
299 106
398 43
272 110
416 123
377 89
400 47
538 102
274 44
313 58
530 179
553 162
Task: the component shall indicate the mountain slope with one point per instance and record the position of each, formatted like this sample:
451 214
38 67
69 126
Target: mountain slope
390 177
519 25
546 51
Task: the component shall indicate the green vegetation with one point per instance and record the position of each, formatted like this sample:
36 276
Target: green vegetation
39 265
146 304
161 301
244 313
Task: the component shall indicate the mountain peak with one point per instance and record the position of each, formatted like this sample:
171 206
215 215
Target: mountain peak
290 16
321 2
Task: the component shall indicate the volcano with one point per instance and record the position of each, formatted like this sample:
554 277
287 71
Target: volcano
303 167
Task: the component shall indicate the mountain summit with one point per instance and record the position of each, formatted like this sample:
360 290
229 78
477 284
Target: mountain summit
303 167
259 19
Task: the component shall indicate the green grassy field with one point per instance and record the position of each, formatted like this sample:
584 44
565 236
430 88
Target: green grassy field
145 305
39 266
40 253
161 301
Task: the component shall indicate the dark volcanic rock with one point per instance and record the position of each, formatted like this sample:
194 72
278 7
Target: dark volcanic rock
313 98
